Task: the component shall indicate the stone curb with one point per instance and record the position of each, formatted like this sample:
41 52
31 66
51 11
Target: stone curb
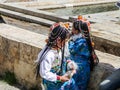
25 17
34 12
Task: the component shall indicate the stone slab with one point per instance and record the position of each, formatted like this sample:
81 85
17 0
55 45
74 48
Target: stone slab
109 59
79 3
25 17
105 31
37 28
33 12
21 35
33 3
5 86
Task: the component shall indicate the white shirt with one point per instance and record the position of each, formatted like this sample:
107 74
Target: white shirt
52 59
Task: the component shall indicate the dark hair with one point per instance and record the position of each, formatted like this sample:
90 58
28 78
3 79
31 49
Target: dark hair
58 31
84 29
77 25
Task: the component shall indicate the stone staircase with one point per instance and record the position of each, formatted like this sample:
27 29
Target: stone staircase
30 15
20 14
25 17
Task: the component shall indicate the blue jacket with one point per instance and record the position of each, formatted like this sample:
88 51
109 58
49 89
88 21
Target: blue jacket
78 48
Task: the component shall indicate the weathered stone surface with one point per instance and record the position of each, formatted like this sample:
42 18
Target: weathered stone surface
25 53
5 86
4 51
37 28
1 50
1 55
105 31
25 74
19 56
101 71
108 64
106 45
51 2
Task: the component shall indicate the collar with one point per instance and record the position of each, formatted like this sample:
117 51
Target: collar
75 36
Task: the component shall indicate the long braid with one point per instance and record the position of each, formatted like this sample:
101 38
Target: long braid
41 59
82 27
56 32
93 61
88 40
62 61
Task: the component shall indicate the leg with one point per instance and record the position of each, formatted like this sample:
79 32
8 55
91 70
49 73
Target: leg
82 76
48 85
112 82
69 85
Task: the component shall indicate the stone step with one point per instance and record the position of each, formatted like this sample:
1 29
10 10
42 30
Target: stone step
74 4
22 35
25 17
5 86
33 12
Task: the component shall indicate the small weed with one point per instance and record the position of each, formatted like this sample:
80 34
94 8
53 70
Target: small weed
10 78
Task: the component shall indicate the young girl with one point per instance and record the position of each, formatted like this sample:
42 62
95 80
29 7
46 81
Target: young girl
79 53
50 61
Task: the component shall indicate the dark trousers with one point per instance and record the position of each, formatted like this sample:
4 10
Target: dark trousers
112 82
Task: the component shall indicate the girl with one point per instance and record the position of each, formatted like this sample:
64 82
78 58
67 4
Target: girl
50 61
79 53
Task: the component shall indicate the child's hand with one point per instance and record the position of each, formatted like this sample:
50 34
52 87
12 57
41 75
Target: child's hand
64 78
69 74
74 71
71 65
68 61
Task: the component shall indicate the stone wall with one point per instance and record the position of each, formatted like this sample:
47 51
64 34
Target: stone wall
18 58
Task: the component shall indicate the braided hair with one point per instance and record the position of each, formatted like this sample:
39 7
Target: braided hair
57 32
77 25
83 28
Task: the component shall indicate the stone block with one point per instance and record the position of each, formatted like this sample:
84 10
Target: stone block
25 53
25 74
100 72
1 51
107 46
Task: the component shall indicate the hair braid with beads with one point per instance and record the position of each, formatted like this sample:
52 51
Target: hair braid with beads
57 32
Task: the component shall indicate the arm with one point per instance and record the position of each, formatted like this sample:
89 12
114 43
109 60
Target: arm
45 68
79 47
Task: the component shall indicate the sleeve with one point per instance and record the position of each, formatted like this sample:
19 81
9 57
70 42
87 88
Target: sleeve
83 48
66 54
79 47
45 68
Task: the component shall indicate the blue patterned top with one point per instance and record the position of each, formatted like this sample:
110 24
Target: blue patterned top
78 47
